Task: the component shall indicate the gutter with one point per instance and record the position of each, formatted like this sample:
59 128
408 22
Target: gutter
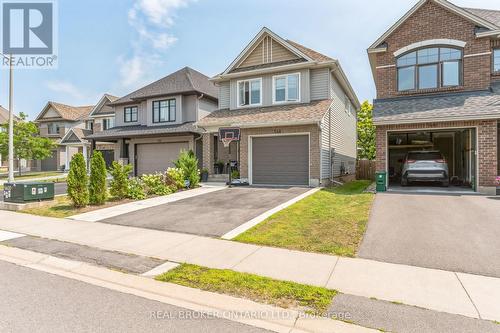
209 127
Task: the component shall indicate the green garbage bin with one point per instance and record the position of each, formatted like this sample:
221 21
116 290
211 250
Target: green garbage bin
28 192
380 179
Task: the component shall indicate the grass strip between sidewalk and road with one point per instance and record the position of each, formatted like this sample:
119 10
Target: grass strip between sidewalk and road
33 175
315 300
331 221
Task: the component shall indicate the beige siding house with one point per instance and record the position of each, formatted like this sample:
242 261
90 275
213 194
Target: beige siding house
154 123
296 111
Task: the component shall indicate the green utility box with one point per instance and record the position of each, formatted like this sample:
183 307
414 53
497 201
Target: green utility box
28 192
381 180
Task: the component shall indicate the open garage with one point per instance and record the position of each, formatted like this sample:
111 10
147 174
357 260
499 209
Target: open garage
419 159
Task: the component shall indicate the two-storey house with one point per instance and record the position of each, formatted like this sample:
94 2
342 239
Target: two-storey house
436 72
68 125
154 123
296 112
65 125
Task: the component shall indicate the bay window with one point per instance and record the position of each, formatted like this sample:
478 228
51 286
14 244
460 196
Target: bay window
250 92
164 111
286 88
429 68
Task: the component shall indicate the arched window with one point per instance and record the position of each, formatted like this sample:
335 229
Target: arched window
429 68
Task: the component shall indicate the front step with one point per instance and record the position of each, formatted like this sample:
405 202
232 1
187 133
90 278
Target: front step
218 178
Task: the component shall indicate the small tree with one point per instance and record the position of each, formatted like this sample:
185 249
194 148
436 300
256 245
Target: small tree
366 132
97 185
78 180
188 163
27 144
119 184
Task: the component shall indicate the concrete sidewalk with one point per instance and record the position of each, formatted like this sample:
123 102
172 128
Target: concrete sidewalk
457 293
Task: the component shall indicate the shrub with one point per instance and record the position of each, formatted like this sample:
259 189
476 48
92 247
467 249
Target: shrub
235 174
175 177
97 185
119 183
136 189
155 184
188 163
77 181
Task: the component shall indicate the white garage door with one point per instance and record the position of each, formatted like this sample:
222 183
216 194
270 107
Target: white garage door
280 160
157 157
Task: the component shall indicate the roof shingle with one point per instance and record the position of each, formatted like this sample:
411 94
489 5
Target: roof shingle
490 15
443 107
314 55
182 81
310 112
143 130
69 112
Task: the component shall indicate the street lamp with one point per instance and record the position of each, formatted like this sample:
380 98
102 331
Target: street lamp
11 122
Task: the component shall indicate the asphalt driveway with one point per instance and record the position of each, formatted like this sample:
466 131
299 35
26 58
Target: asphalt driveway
212 214
451 232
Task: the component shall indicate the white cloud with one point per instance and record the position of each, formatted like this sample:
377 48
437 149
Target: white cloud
66 88
151 19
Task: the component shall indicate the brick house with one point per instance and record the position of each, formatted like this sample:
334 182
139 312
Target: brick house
296 111
437 74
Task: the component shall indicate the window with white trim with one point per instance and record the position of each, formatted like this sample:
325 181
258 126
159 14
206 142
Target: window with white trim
286 88
496 60
108 123
250 92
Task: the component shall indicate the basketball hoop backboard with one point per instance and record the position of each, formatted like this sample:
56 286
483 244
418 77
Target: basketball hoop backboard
229 134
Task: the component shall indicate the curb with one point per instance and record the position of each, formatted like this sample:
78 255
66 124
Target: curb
222 306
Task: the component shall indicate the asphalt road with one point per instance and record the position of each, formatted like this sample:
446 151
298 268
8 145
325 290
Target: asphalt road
59 188
34 301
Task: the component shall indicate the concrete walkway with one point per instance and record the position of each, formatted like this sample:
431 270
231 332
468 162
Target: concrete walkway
457 293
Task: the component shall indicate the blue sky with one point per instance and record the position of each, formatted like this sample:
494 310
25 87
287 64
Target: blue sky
116 46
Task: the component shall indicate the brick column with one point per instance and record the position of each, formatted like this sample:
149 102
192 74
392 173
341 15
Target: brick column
381 147
488 150
208 152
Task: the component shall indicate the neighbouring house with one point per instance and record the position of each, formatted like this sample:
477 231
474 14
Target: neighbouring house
154 123
296 111
69 125
437 74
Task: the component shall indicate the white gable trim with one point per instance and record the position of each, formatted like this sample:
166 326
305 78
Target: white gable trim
253 43
68 134
429 42
99 104
460 11
45 109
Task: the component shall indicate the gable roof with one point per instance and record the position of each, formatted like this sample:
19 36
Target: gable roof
75 135
67 112
4 115
183 81
299 50
314 55
105 100
467 14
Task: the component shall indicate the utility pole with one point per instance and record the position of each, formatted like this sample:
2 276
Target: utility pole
11 125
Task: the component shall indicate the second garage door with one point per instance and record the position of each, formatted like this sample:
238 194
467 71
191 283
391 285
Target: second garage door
280 160
157 157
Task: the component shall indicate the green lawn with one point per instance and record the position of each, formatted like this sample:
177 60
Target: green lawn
331 221
62 207
33 175
260 289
